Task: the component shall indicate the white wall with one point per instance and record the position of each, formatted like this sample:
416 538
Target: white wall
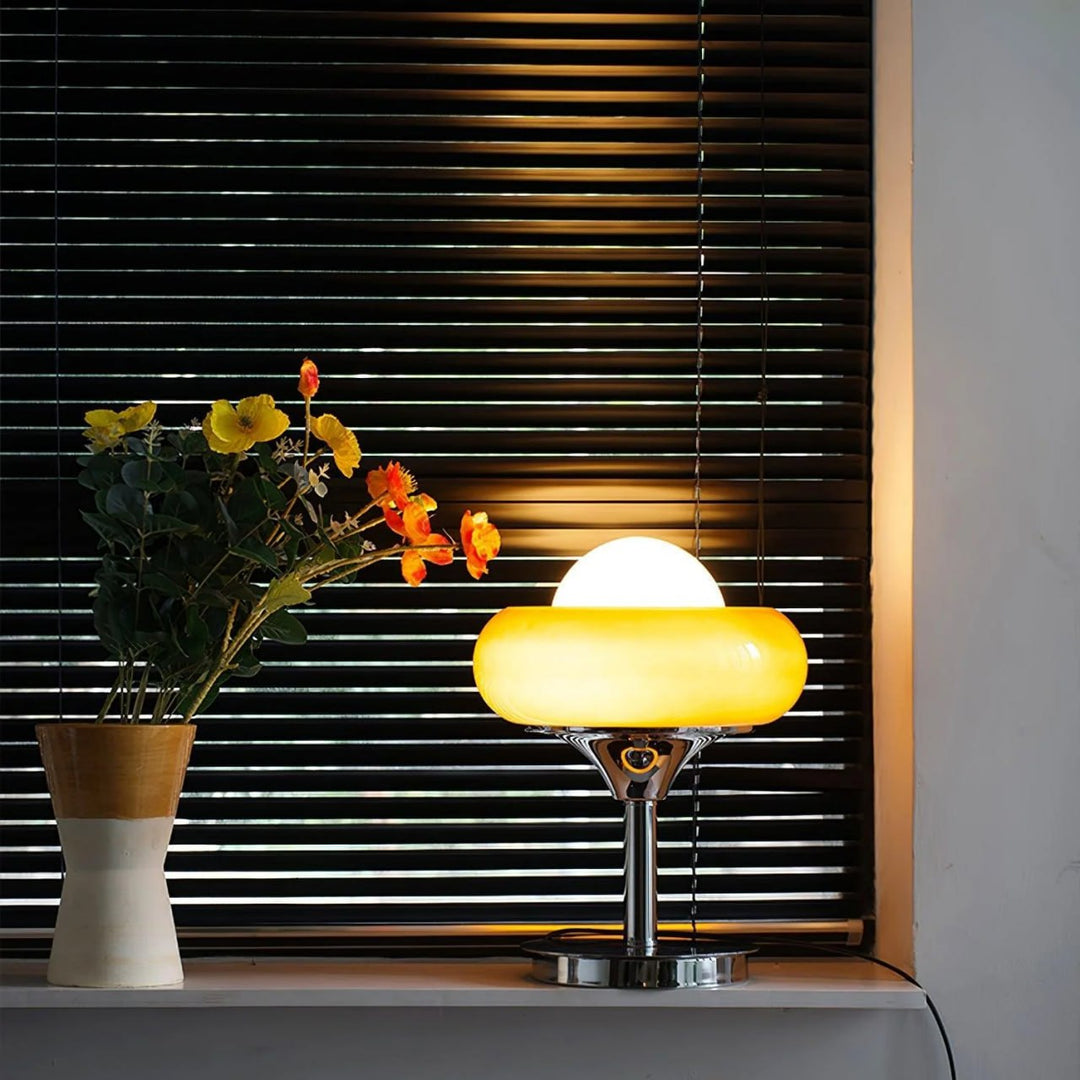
996 270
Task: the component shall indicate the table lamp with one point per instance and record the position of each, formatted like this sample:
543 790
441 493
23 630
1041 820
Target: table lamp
639 665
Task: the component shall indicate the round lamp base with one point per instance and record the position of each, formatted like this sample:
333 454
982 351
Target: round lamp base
610 964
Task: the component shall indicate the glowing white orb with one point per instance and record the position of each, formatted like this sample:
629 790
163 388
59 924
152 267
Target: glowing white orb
638 572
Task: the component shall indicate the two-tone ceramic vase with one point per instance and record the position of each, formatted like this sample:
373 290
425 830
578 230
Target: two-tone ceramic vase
115 789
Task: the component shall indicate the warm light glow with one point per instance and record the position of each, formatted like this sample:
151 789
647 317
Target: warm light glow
638 571
645 664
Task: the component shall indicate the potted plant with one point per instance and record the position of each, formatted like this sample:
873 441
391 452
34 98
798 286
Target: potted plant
208 536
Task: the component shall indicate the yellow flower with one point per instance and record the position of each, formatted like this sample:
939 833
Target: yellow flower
340 439
232 431
107 427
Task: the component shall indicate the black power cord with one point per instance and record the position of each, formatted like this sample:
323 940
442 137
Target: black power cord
766 943
853 954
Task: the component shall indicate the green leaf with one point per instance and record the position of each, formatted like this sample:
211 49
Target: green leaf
197 636
135 473
194 506
100 471
245 665
125 503
215 598
162 583
252 549
151 476
114 619
281 626
284 592
110 530
270 494
191 442
294 537
165 523
230 526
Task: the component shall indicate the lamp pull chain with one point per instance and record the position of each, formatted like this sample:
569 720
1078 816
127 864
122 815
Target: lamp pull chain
763 393
699 393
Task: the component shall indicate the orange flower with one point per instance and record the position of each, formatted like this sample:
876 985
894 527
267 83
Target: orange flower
394 484
480 541
309 379
415 526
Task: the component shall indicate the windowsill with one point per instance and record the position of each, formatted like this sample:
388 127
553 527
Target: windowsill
773 984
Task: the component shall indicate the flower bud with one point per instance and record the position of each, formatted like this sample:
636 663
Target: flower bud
309 379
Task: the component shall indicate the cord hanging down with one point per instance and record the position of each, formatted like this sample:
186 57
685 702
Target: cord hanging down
56 364
763 273
699 393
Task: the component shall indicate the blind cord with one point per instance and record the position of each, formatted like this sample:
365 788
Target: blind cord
56 365
763 395
699 393
699 370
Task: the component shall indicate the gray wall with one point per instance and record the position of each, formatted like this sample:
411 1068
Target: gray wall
997 666
996 270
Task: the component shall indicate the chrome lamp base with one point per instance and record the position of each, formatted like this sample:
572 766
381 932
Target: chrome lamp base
612 964
638 767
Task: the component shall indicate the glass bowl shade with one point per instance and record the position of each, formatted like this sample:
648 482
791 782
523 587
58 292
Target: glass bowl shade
659 668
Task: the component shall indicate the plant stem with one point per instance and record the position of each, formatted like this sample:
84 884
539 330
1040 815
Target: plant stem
214 569
125 696
149 443
140 698
342 568
111 696
229 651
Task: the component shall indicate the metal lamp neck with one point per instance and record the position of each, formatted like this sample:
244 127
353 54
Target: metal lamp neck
639 765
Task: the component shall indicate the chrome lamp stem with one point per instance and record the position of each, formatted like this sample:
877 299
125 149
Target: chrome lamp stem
638 767
640 904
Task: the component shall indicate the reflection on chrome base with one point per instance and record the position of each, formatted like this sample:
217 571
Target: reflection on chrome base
611 964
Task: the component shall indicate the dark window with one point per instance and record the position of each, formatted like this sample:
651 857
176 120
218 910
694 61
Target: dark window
481 221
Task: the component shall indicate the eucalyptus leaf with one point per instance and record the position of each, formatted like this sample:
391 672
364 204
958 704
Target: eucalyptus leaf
110 530
150 476
125 503
138 474
165 523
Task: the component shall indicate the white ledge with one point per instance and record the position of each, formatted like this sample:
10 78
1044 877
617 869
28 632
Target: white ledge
773 984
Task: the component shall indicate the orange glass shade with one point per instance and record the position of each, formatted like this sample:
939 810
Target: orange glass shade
637 667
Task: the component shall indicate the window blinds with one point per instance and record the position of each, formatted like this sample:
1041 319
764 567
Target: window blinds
481 221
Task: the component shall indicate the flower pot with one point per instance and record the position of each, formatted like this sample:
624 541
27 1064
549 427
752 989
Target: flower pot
114 791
